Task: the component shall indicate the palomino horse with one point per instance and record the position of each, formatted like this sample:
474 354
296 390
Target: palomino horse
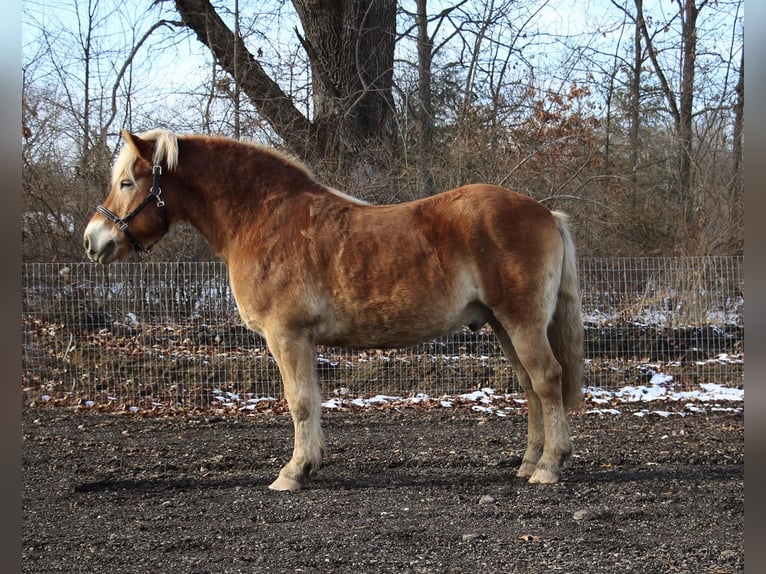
311 266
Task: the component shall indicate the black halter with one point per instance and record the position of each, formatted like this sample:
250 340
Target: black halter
122 222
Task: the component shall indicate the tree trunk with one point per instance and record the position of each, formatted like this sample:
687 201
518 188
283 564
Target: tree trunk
685 110
350 45
425 117
682 108
739 122
737 185
635 103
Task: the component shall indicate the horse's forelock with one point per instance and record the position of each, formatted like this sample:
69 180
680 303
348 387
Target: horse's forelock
165 149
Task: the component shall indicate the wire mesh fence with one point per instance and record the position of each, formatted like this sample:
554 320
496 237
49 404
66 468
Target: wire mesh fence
160 335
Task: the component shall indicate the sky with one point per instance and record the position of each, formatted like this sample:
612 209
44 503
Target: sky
552 16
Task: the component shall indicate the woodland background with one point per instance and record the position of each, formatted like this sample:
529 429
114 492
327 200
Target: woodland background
627 114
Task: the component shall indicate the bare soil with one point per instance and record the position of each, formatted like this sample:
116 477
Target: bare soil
407 490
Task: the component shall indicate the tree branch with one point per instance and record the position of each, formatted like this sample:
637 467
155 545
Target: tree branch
126 65
320 71
655 63
265 94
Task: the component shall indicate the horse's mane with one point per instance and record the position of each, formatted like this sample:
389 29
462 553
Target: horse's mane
166 150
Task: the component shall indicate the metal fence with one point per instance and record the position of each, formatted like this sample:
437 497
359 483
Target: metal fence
168 335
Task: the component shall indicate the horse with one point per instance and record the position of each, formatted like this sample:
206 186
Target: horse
310 265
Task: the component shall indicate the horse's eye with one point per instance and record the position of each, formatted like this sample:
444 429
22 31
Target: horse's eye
126 184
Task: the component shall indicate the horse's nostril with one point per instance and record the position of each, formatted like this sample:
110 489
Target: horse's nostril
98 251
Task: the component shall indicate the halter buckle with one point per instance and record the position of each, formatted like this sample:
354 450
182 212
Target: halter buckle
156 189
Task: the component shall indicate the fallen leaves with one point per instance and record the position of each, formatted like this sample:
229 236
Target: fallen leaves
529 538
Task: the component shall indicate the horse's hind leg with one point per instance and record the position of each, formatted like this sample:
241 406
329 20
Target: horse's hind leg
533 351
297 364
535 427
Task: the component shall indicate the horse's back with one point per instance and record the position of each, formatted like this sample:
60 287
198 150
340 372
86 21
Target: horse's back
488 227
474 214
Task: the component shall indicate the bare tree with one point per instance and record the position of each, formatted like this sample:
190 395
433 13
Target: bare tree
634 65
423 108
63 164
739 122
680 102
635 100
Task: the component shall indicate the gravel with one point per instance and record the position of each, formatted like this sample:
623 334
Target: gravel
401 490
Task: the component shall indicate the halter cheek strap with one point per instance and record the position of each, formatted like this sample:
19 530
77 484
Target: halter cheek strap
122 222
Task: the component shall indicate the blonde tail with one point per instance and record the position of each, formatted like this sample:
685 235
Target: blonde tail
566 330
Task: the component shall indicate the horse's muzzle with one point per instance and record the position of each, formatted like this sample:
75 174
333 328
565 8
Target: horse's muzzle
98 244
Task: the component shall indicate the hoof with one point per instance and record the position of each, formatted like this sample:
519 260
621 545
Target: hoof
526 470
285 484
544 476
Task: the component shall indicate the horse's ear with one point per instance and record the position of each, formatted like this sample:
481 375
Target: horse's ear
142 148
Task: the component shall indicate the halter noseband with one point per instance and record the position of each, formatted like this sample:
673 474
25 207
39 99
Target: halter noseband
122 222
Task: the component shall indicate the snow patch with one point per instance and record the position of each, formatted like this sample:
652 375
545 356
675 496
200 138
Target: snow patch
709 397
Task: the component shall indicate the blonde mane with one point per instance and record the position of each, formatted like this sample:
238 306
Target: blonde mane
165 148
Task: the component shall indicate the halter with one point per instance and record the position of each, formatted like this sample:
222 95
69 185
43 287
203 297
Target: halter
122 222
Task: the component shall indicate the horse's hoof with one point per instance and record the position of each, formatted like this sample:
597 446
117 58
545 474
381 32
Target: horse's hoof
544 476
526 470
285 484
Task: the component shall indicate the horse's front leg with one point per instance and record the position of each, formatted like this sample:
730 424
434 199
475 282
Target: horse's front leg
296 359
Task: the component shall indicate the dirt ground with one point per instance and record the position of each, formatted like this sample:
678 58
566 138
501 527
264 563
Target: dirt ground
401 491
